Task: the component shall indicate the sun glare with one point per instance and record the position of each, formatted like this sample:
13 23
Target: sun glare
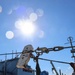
25 26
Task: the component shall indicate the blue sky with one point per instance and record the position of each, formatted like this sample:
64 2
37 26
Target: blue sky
54 21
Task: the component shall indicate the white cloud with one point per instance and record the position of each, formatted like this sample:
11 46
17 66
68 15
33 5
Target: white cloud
68 71
69 68
0 9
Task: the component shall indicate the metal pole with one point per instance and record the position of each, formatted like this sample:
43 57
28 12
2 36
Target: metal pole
5 64
70 39
54 68
60 72
12 54
53 60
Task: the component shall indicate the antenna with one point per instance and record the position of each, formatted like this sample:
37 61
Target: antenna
70 39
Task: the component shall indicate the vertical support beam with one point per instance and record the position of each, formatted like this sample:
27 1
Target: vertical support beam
5 64
54 68
70 40
60 72
12 54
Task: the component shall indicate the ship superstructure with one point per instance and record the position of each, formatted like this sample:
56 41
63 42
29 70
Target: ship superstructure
8 67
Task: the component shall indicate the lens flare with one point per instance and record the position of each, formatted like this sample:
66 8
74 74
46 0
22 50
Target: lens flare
40 12
33 17
0 9
9 34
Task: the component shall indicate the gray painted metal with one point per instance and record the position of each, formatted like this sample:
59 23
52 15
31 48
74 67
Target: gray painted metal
8 67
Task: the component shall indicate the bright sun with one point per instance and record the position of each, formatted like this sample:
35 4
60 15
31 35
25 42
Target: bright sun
26 27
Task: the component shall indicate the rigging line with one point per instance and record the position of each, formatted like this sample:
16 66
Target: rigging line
52 60
69 47
50 49
17 52
11 53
